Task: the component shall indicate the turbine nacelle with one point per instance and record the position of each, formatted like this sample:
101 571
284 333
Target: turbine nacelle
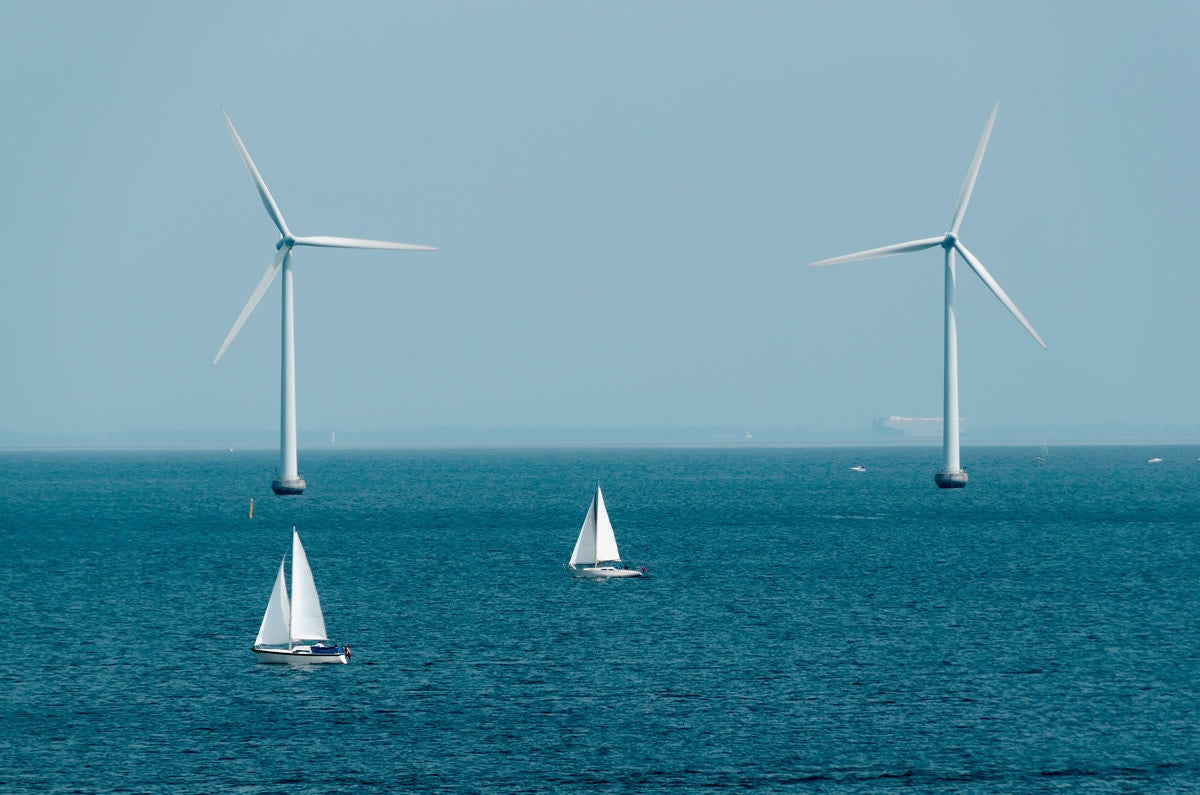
288 241
950 240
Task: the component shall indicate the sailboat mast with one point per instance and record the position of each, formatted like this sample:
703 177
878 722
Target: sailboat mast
291 602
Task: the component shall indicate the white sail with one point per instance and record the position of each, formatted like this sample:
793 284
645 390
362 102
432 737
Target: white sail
606 541
274 629
585 545
307 621
596 542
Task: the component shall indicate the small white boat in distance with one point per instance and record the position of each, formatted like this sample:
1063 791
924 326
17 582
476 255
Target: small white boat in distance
1153 460
595 554
294 632
858 468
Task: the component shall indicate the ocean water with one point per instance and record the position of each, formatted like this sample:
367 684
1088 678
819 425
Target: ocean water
804 626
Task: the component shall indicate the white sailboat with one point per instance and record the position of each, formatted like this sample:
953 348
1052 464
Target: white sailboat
294 632
595 554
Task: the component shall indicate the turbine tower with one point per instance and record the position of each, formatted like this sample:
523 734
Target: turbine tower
951 475
289 480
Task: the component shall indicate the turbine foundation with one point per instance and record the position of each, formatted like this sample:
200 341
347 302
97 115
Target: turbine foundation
286 487
950 480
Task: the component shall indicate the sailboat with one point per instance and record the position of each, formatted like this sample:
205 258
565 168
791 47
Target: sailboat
294 632
595 554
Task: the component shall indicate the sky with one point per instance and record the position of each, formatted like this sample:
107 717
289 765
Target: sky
625 198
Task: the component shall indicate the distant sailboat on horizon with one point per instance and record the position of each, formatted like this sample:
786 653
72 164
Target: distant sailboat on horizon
294 631
595 554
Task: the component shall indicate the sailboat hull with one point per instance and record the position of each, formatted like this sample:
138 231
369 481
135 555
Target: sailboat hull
605 572
301 655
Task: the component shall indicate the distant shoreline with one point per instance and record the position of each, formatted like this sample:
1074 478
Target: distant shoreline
579 439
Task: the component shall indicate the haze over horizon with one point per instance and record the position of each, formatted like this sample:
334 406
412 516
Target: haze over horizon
583 437
625 200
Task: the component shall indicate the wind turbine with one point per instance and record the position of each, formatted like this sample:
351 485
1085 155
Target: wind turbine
951 475
289 480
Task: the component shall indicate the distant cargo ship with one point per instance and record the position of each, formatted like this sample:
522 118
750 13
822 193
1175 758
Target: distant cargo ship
913 427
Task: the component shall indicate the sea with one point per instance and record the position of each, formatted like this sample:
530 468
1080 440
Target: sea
803 626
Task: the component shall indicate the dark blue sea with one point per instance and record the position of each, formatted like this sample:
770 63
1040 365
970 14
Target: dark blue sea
803 626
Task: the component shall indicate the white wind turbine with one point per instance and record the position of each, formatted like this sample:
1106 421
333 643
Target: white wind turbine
951 475
289 480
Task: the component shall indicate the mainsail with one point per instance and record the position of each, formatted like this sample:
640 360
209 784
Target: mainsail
274 629
606 541
597 542
307 621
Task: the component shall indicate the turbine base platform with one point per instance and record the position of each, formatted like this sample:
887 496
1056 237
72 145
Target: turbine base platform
950 480
285 487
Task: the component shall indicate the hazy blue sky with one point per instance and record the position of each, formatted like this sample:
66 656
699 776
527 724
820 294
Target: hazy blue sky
626 197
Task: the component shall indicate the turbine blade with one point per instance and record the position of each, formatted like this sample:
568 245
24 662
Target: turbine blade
964 196
252 302
982 273
267 200
886 251
354 242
